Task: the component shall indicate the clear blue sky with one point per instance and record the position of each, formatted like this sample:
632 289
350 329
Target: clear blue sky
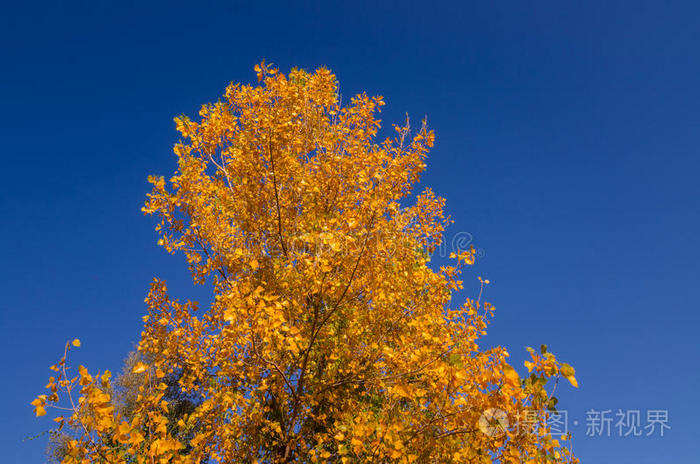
568 144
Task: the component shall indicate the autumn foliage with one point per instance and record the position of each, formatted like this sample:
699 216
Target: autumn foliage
330 337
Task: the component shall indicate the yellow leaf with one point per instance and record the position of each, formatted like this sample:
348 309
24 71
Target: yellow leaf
124 428
511 374
568 373
139 367
76 342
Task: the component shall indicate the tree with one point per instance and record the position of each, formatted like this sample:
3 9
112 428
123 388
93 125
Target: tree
330 338
124 394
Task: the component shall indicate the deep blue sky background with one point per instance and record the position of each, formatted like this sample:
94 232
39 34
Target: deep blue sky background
568 143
